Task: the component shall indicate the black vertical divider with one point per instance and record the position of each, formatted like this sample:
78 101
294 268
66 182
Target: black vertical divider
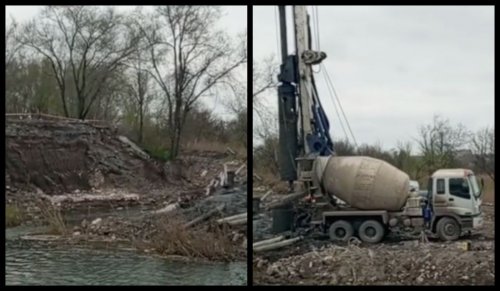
249 147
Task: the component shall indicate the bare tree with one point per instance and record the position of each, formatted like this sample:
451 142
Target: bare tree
344 148
264 76
84 45
237 101
265 127
374 151
403 159
237 104
139 88
439 143
483 148
12 46
188 57
111 102
263 79
15 68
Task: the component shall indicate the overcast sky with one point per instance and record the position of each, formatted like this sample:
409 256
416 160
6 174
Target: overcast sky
395 67
233 21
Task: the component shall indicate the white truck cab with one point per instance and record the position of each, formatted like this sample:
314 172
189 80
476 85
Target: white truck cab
456 199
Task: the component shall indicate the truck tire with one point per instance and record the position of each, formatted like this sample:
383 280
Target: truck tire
371 231
448 229
340 230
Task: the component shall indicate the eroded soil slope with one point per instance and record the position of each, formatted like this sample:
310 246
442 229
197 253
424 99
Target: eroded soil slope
59 156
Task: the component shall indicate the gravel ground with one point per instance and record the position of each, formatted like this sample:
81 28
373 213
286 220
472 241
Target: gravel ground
394 262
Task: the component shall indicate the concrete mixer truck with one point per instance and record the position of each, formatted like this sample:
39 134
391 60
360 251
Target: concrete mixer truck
376 200
354 196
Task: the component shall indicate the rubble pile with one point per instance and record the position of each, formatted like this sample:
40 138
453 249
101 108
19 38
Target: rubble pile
386 264
234 201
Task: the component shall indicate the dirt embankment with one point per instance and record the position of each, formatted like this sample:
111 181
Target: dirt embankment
394 262
60 156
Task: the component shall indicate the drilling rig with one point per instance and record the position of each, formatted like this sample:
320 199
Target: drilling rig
304 129
303 125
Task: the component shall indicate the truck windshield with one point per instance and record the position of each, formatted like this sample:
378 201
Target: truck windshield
474 186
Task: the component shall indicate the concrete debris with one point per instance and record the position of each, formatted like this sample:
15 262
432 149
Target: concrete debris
79 198
167 209
96 221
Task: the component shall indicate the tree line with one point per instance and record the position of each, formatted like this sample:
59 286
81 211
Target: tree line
143 70
439 143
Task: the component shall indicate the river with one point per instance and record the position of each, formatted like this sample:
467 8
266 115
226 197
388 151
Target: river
42 263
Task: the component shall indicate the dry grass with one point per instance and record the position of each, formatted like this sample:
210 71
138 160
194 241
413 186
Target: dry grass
271 180
172 238
14 216
53 217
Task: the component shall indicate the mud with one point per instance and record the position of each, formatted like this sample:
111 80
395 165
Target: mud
317 261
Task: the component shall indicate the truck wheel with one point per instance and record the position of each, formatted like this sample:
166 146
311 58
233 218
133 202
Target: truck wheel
371 231
448 229
340 230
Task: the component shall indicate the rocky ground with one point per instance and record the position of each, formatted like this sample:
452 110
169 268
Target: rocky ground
394 262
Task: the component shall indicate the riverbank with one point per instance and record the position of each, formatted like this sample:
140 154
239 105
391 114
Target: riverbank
151 231
91 185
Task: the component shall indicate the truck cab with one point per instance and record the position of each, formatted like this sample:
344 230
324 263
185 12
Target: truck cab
455 199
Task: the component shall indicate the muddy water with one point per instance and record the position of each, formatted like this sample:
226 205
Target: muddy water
38 263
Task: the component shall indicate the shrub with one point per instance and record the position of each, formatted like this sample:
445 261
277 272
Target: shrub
172 238
53 217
